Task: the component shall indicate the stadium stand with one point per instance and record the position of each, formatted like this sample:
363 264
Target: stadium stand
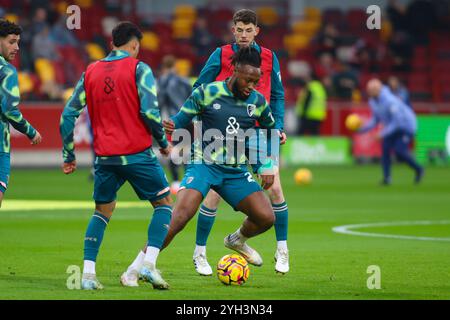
328 40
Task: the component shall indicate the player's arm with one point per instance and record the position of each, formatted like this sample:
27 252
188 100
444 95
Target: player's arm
372 123
10 98
192 107
277 99
72 110
146 86
210 70
277 95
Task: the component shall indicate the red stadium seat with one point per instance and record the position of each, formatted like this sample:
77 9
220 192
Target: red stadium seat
334 16
356 19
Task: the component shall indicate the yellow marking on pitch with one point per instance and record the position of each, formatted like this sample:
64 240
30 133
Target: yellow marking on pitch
22 205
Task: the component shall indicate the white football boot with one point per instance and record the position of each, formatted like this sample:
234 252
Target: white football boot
152 275
89 281
130 278
250 254
282 261
201 265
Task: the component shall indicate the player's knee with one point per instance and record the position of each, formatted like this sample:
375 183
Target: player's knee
212 200
106 209
167 201
276 194
267 219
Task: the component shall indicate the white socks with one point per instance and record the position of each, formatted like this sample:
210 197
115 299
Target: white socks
238 237
151 255
199 250
89 267
282 245
137 263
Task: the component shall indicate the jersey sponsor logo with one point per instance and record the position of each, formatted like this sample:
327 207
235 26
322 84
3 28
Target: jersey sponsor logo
251 109
233 125
189 180
109 85
217 106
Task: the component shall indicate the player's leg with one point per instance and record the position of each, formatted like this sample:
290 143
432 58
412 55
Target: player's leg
156 233
244 194
315 127
259 219
280 209
386 160
279 205
106 184
195 179
188 201
149 182
401 150
5 168
205 221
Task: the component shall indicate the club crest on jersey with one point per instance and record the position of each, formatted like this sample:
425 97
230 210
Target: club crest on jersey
251 109
216 106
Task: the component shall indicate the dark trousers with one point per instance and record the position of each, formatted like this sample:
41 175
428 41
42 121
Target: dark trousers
397 142
309 126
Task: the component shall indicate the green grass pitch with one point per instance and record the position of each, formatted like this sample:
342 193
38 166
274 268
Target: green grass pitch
39 242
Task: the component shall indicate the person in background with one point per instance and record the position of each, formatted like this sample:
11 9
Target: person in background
399 127
173 90
311 106
399 90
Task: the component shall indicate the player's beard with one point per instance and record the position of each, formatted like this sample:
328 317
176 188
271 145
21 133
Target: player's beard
237 93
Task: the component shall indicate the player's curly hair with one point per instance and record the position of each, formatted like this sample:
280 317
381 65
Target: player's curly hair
247 55
124 32
8 27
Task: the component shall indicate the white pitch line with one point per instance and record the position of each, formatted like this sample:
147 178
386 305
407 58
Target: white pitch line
33 205
347 230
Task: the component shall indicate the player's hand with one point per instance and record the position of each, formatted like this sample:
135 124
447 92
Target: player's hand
283 137
169 126
36 139
69 167
267 180
166 151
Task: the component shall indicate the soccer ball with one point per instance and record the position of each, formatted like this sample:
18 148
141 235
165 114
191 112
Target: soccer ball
303 176
353 122
233 269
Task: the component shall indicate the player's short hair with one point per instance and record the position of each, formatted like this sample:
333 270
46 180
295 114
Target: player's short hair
8 27
245 16
124 32
247 55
